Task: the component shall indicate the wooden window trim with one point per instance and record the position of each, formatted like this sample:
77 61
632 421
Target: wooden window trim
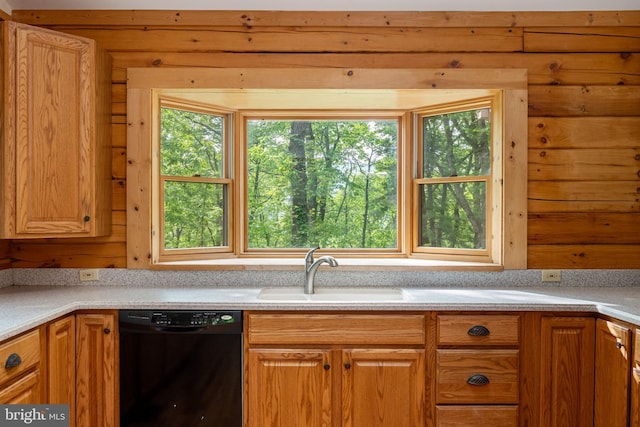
144 84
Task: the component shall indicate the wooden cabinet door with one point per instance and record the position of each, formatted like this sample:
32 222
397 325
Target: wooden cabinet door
612 375
57 149
96 374
62 363
286 388
635 382
383 388
25 390
566 376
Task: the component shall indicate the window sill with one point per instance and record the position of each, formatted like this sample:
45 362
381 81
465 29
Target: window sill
346 264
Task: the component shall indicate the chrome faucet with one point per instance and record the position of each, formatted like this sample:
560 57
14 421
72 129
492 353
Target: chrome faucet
311 267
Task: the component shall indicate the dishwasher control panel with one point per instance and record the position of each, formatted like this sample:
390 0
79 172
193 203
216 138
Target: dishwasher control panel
188 318
202 320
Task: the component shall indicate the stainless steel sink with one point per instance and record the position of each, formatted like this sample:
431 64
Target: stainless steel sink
334 294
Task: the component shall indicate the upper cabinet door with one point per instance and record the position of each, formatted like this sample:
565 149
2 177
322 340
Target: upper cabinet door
58 138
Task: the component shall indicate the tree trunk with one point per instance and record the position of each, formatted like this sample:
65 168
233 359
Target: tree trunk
300 132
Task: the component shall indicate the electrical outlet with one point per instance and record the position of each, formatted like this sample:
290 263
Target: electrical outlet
551 275
89 275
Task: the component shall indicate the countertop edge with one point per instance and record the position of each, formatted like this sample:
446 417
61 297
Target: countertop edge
26 307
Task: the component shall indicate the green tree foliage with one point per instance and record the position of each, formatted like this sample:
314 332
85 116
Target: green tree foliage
322 182
194 210
454 213
331 183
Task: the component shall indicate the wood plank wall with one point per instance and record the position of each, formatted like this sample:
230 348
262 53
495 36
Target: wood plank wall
584 103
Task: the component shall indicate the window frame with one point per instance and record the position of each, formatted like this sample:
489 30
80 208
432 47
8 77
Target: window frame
145 85
493 198
242 148
164 254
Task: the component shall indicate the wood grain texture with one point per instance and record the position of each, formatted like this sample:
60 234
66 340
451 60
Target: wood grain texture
635 381
355 329
566 371
477 416
613 363
593 39
61 356
583 74
251 19
96 369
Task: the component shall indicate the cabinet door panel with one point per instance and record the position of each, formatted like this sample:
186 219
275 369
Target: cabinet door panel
477 416
53 133
612 375
635 382
24 391
383 387
62 363
96 382
566 377
286 388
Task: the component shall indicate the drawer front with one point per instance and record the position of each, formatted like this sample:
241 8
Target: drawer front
272 328
472 329
477 416
26 349
477 376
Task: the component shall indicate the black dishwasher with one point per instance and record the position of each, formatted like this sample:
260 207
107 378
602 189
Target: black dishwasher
180 368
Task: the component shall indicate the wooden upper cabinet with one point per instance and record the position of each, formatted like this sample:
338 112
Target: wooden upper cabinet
56 155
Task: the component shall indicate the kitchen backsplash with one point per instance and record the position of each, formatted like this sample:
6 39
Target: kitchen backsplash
6 278
261 278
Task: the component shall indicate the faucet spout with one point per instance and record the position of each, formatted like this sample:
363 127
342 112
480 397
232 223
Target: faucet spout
311 267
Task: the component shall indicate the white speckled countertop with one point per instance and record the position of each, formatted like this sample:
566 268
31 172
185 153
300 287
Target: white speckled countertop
24 307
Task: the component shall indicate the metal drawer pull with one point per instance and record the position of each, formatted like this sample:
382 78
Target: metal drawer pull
478 331
478 379
12 361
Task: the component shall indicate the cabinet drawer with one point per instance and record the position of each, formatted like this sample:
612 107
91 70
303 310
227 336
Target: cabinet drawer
272 328
26 347
477 416
477 376
478 329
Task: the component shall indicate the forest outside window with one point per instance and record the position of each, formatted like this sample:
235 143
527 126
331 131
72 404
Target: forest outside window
324 179
397 177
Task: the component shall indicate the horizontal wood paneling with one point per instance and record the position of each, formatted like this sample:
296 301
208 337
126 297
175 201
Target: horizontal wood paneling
568 101
584 103
584 132
114 18
590 164
580 39
565 69
68 255
583 228
584 196
583 256
5 255
308 39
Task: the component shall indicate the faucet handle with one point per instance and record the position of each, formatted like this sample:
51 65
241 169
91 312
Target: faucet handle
308 258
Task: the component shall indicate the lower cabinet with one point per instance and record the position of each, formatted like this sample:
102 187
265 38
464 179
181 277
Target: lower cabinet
635 381
477 370
355 370
566 371
613 364
82 357
20 369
